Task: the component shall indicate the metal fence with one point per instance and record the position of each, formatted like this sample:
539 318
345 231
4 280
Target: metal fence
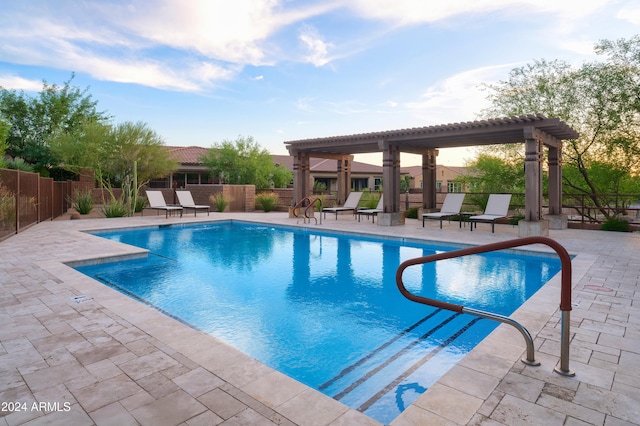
26 199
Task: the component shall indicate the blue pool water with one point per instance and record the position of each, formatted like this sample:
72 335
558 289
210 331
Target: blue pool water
324 308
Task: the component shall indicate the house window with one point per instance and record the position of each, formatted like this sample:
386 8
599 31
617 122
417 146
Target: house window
193 178
439 185
377 184
454 186
359 183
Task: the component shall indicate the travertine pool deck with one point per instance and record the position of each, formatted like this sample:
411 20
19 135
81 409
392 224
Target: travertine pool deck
86 354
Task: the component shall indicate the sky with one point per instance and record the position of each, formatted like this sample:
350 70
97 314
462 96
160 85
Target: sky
200 72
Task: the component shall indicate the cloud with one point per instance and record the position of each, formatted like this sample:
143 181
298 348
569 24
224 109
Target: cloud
187 45
407 12
630 14
318 49
457 98
13 82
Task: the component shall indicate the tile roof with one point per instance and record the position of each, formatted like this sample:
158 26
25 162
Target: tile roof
186 154
190 155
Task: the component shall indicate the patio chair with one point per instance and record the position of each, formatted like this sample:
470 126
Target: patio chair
185 199
351 204
450 207
371 212
497 208
156 202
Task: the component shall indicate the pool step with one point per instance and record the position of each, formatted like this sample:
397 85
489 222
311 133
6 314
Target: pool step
389 366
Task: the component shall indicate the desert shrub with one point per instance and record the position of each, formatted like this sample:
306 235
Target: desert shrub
219 202
369 200
616 224
114 208
319 186
141 203
7 208
82 202
412 213
513 220
267 202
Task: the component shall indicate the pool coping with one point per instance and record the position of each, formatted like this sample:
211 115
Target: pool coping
484 363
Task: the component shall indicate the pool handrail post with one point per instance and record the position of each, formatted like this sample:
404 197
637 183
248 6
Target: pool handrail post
311 202
565 293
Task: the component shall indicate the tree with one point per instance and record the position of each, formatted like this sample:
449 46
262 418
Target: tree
4 133
127 155
35 120
244 162
490 174
601 100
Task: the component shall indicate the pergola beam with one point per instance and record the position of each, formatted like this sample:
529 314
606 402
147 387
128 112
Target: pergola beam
534 130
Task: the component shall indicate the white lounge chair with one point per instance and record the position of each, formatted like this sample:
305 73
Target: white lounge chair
156 202
450 207
351 204
497 207
185 199
372 212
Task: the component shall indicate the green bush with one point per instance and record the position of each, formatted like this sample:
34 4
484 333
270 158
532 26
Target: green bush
412 213
616 224
7 208
141 203
267 202
369 200
515 219
114 208
82 201
219 202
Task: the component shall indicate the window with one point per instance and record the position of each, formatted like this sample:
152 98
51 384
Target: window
377 183
439 185
454 186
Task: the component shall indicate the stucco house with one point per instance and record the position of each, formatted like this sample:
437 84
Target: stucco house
445 178
191 171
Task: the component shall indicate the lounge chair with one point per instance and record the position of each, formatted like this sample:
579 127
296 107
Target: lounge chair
371 212
450 207
156 202
185 199
351 204
497 207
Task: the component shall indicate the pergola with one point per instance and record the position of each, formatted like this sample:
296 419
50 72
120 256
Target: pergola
536 131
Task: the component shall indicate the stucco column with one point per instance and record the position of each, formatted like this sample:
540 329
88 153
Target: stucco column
429 180
556 219
533 176
532 224
555 181
301 175
344 178
391 186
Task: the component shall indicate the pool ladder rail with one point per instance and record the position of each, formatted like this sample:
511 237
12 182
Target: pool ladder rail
565 294
305 215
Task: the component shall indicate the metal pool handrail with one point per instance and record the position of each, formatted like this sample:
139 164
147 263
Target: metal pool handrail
565 293
306 210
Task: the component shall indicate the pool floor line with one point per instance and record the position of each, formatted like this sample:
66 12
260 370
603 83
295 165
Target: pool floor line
389 360
415 366
376 350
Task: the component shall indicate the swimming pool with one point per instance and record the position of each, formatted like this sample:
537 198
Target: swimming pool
323 307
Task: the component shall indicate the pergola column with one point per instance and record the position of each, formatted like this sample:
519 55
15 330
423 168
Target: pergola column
555 181
344 178
301 175
390 185
532 223
429 180
557 220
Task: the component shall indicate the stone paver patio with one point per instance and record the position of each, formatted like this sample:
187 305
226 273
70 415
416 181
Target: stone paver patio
75 352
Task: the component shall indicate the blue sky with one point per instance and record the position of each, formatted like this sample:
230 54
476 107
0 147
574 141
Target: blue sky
202 71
